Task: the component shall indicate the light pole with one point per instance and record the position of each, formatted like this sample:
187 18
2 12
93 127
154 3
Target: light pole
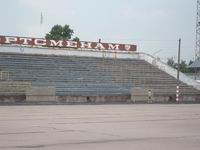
178 70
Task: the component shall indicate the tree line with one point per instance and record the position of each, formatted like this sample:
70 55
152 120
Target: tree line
183 65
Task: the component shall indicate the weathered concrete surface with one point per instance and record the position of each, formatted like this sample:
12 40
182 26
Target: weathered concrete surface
100 127
41 94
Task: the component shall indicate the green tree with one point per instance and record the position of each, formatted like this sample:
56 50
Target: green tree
183 65
59 32
171 62
190 62
190 70
76 39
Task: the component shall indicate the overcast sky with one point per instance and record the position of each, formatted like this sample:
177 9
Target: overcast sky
153 25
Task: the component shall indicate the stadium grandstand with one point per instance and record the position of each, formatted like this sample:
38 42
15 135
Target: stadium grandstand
91 74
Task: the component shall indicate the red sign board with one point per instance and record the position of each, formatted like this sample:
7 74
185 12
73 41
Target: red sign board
65 43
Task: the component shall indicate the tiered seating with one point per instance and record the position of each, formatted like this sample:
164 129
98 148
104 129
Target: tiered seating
89 76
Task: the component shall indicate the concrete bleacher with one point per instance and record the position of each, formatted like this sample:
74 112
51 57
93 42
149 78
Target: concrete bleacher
13 87
89 76
13 91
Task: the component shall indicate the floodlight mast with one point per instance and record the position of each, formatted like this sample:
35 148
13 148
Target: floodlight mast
197 49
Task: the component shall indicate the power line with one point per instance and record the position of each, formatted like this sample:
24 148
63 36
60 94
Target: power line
141 40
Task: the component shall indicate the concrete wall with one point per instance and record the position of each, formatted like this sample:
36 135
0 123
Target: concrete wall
12 98
41 94
94 99
141 95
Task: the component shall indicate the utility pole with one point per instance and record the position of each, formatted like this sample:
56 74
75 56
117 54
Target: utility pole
197 48
178 70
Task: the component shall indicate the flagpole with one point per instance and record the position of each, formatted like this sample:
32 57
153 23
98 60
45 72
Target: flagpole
41 21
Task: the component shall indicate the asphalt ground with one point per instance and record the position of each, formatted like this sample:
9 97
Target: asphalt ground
100 127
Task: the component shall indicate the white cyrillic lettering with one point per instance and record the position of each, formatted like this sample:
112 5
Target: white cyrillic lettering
99 46
86 45
113 46
72 44
56 43
40 42
25 40
11 40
